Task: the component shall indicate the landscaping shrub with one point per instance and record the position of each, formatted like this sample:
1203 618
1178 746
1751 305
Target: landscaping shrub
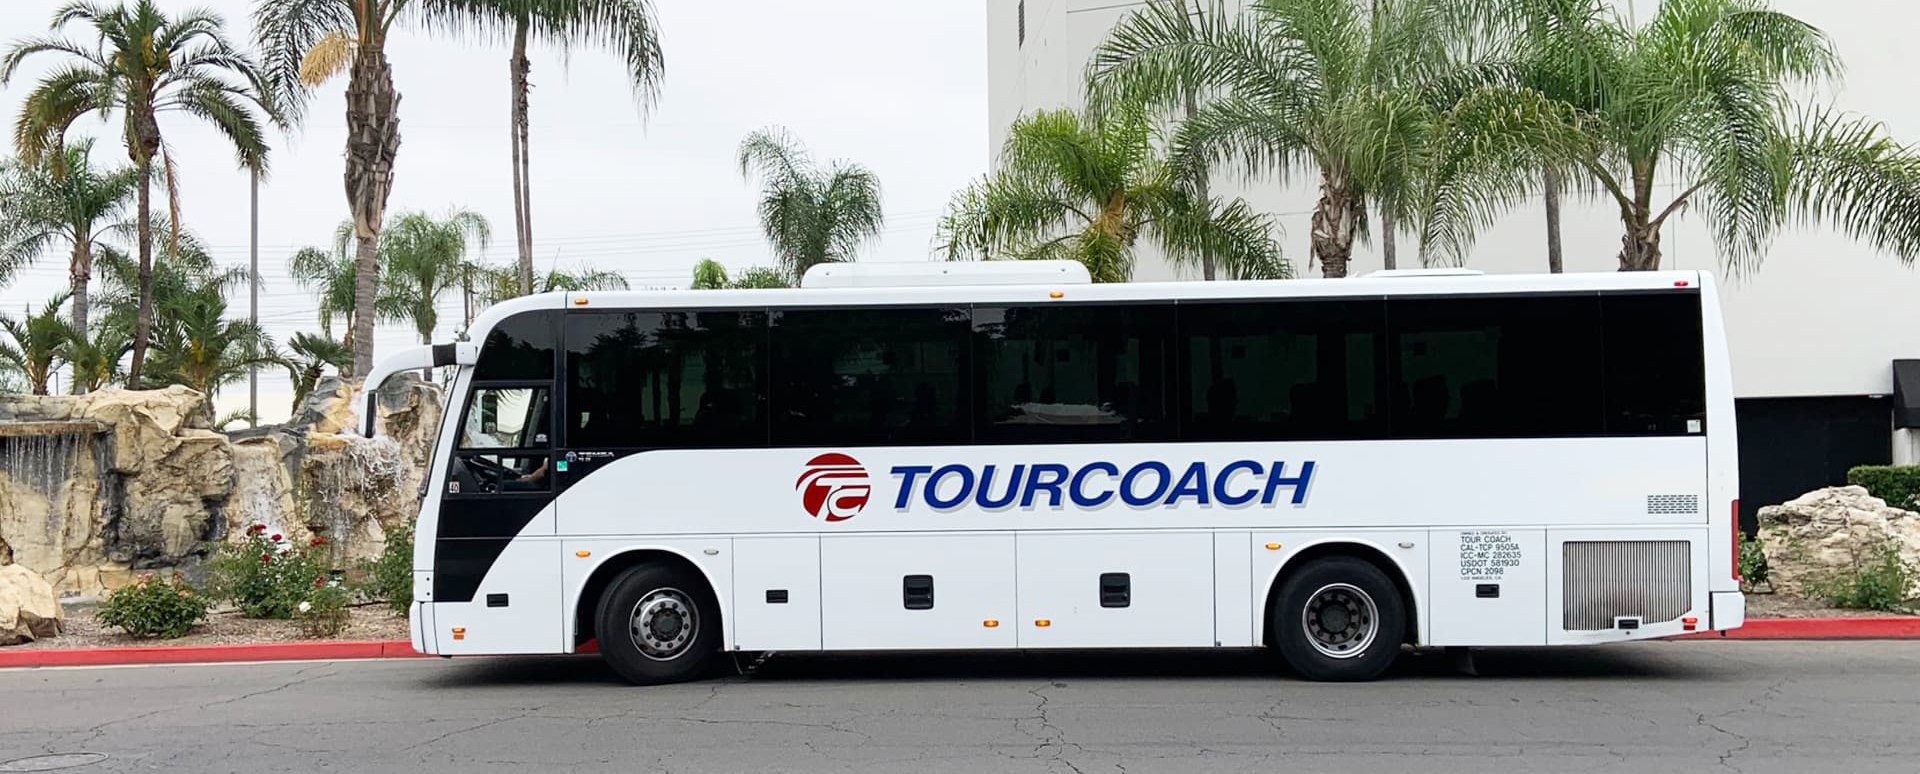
266 576
390 578
1753 563
324 612
1882 580
154 607
1898 485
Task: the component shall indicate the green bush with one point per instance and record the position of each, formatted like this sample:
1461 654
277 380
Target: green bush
154 608
1881 580
389 579
1899 485
265 576
1753 562
324 612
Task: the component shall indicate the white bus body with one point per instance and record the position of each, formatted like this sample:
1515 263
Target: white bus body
1493 511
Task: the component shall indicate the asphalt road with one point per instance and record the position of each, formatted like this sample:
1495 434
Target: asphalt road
1795 707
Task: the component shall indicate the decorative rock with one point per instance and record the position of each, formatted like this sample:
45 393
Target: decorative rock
28 608
1831 531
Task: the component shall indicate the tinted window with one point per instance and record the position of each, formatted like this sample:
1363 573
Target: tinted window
1655 364
674 379
506 418
1492 366
520 347
1278 370
870 376
1059 374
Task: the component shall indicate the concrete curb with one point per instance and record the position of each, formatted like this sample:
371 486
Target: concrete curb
1874 628
208 654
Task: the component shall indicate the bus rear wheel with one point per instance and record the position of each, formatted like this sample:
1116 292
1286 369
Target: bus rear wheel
658 624
1338 618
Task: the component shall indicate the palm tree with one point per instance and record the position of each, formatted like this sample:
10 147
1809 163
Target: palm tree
1728 132
142 64
197 346
1088 191
95 360
492 285
62 201
308 356
39 343
628 27
308 42
424 257
708 274
329 276
1333 89
811 215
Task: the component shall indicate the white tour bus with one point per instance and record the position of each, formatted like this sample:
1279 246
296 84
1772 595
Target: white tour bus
958 456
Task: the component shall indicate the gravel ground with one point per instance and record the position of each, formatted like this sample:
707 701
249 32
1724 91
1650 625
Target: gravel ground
81 630
1783 606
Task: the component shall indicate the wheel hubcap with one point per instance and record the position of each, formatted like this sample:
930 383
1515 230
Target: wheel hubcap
663 624
1340 620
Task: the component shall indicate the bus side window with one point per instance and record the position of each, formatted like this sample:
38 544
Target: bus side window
511 424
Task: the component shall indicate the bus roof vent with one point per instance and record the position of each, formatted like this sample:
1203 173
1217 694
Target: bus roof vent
1425 273
900 274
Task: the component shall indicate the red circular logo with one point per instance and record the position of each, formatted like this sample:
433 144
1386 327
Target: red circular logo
833 487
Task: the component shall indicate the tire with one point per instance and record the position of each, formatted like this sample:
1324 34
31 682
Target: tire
1338 619
681 624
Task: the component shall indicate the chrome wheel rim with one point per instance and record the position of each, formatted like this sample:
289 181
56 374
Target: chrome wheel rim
663 624
1340 620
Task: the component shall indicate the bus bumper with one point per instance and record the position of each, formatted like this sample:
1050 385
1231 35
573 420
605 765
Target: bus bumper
1728 610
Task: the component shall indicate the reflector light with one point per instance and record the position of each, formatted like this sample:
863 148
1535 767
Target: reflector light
990 623
579 302
1679 283
583 554
1273 546
459 632
1056 294
1043 623
1689 623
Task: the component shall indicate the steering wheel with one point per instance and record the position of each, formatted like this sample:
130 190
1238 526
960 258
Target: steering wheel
490 473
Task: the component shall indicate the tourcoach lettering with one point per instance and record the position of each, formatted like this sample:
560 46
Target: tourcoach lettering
1096 484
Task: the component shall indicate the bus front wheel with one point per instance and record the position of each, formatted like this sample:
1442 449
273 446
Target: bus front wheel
1338 618
658 624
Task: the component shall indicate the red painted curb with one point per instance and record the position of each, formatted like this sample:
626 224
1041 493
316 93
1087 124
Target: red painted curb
1877 628
209 654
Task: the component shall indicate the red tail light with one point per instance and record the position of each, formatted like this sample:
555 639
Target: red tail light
1736 539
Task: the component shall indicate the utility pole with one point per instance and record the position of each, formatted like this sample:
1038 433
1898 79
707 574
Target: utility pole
253 297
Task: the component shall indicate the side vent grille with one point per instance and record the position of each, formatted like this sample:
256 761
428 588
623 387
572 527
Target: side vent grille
1608 579
1673 504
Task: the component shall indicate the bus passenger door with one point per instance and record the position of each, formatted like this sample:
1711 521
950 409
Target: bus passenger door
905 592
1147 589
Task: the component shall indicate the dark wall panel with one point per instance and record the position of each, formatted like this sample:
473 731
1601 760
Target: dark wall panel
1790 446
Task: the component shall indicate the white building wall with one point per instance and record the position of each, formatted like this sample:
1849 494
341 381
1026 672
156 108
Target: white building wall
1823 316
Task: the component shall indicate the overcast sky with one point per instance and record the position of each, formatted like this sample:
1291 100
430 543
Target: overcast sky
897 85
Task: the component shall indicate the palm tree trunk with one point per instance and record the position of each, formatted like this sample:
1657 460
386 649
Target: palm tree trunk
1550 181
79 271
1207 271
373 140
522 173
1389 251
1640 247
143 310
1333 227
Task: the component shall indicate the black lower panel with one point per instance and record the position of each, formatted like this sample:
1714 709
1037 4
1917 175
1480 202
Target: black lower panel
460 563
1791 446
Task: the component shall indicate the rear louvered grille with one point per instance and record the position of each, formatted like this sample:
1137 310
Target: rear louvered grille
1607 579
